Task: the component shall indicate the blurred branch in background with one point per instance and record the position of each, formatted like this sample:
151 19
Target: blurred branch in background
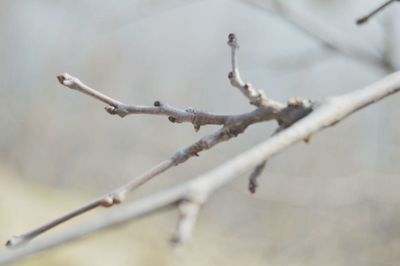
325 33
365 18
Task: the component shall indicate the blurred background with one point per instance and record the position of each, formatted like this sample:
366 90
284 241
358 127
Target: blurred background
334 201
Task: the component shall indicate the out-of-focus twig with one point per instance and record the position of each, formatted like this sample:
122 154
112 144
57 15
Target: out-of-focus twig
365 19
323 32
319 29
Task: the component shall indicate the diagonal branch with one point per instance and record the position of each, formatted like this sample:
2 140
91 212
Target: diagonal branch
233 125
321 31
365 19
329 113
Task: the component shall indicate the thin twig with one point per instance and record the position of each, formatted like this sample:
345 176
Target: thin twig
320 30
364 19
253 178
329 113
176 115
256 97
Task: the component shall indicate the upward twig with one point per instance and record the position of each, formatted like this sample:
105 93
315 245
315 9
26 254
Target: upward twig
256 97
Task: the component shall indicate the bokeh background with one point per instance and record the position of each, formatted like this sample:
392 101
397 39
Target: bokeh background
334 201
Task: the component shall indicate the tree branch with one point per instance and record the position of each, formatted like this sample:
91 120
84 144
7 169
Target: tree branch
176 115
233 125
253 178
188 211
365 19
330 112
256 97
321 31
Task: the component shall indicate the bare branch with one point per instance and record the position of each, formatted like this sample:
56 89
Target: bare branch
255 175
256 97
389 43
253 178
188 211
233 125
237 125
333 110
175 115
321 31
364 19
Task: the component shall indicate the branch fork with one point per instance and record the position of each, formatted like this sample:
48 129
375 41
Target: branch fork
297 120
231 126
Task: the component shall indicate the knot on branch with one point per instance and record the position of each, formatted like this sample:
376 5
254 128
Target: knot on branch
233 129
117 110
113 199
192 150
196 121
236 80
257 97
68 81
232 41
295 110
16 241
182 156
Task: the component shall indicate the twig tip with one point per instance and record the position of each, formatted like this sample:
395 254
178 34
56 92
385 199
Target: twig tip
362 20
232 41
15 241
62 77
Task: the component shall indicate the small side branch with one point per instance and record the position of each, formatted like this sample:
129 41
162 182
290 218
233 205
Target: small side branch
253 178
175 115
188 212
365 19
256 97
